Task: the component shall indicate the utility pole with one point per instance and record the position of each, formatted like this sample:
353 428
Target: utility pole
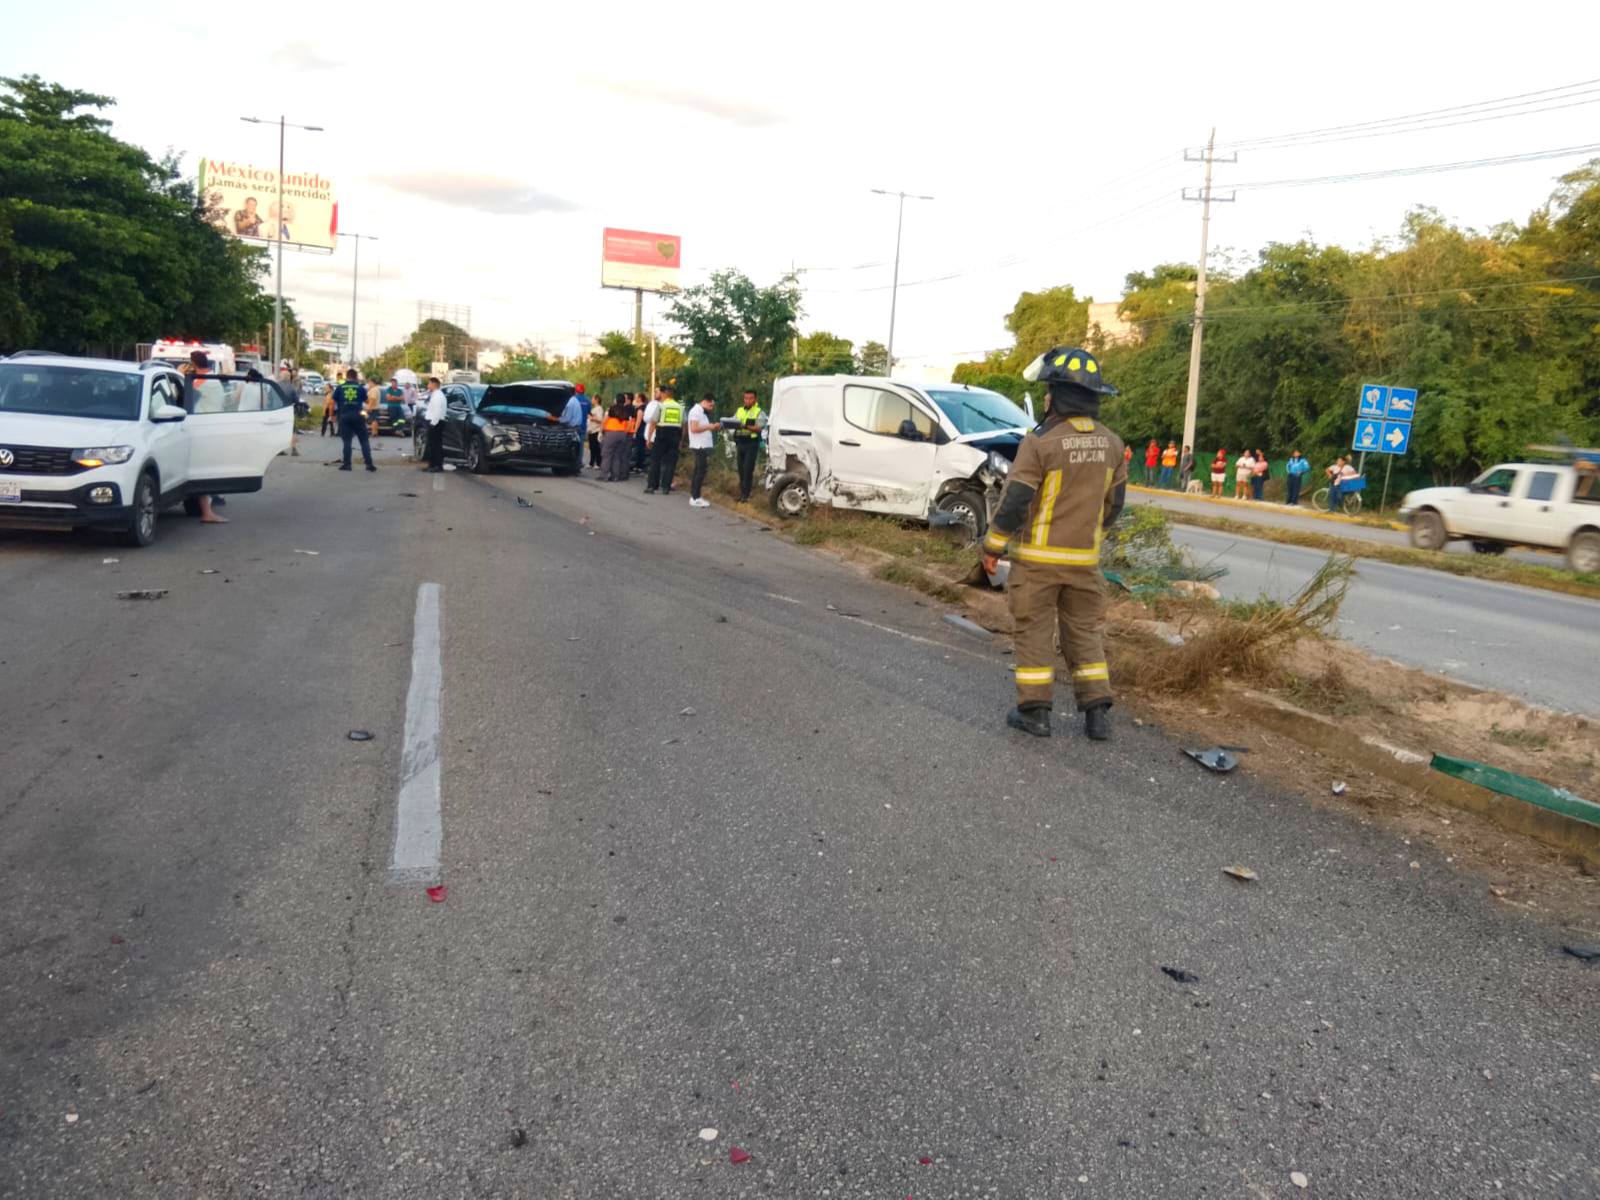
894 288
1191 405
638 316
355 284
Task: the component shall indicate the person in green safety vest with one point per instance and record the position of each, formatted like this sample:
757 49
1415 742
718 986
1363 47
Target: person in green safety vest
749 421
665 419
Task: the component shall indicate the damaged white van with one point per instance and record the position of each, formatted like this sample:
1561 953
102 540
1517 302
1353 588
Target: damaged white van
922 451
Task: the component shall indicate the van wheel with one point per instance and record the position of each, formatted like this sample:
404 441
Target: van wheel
1584 553
789 496
1488 547
141 529
968 508
1428 531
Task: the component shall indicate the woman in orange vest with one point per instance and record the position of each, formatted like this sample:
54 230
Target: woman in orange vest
615 435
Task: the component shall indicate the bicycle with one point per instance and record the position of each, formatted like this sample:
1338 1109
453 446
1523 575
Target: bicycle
1349 496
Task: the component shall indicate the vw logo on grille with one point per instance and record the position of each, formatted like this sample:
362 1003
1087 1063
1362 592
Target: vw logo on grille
6 457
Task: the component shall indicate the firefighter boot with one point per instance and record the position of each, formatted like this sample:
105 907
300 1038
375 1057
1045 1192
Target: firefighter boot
1097 722
1030 718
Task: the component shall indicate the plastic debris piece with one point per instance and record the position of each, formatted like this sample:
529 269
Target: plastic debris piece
737 1156
72 1118
519 1138
966 626
1238 872
1497 892
686 712
521 503
1338 787
312 553
436 894
143 594
208 571
1582 953
1179 975
708 1134
1520 787
1213 758
116 939
1299 1179
106 562
359 735
670 742
413 496
925 1161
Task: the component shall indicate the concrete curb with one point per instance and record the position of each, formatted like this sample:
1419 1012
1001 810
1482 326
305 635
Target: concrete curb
1411 769
1269 506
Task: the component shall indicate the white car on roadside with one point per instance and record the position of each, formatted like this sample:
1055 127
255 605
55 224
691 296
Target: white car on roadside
95 443
1550 506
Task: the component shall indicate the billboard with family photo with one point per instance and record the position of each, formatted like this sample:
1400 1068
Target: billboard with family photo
243 200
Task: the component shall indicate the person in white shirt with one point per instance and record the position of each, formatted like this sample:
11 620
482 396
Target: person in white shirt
433 414
1243 468
701 439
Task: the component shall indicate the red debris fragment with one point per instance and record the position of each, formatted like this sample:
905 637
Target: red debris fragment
925 1161
436 894
116 939
736 1085
1052 858
737 1156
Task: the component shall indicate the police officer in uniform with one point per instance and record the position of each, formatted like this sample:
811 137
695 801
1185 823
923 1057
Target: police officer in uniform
666 437
351 399
1066 487
748 422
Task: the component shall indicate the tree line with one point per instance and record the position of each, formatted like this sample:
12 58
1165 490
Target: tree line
103 246
1496 329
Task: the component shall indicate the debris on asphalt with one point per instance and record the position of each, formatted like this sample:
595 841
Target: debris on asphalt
1582 953
407 495
708 1134
1214 758
521 503
519 1138
735 1156
686 712
143 594
116 939
967 626
925 1161
1338 787
1238 872
106 562
436 894
670 742
1415 865
1299 1179
721 620
208 571
72 1118
312 553
359 735
1179 975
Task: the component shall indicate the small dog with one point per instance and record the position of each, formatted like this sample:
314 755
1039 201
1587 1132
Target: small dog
1195 488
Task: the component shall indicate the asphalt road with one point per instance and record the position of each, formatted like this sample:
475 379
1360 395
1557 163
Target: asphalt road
1280 516
1539 645
838 914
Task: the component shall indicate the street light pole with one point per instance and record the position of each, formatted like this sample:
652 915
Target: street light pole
355 282
277 305
894 288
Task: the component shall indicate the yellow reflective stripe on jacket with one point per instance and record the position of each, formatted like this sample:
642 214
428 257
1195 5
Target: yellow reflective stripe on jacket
1056 555
1097 670
995 542
1047 504
1100 521
1036 675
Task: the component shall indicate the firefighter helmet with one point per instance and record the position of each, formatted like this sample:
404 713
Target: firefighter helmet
1070 365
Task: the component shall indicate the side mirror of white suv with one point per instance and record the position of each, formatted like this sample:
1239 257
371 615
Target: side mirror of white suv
169 412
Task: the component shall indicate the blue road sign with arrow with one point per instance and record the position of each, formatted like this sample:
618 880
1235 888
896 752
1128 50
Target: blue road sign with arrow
1402 404
1395 438
1368 436
1375 400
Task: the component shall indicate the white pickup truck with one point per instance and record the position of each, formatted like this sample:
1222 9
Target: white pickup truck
1547 505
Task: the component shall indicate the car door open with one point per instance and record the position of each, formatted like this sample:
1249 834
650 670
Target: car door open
237 426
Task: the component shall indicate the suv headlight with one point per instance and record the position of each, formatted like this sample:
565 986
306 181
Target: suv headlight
502 432
99 456
999 463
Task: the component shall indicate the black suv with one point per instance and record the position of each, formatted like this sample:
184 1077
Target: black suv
508 425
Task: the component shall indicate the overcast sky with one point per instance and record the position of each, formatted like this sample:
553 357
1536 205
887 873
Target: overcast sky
487 145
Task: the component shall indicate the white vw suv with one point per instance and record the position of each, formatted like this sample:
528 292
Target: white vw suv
104 444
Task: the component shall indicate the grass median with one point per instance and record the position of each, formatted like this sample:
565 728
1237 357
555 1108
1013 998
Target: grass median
1476 566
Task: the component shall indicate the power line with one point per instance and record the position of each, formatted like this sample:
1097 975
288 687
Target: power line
1474 120
1452 110
1470 164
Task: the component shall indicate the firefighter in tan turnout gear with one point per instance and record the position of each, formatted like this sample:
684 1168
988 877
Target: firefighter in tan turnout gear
1064 490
